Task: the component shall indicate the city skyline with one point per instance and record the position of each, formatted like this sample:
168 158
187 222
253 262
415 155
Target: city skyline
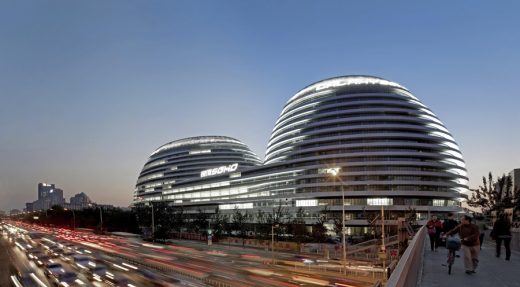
87 94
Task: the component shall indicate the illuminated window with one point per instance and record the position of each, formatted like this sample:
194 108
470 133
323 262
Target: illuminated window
307 202
438 202
248 205
235 175
380 201
200 151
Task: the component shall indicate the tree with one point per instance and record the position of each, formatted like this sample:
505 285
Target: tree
228 225
297 226
411 216
495 195
163 219
218 223
263 228
279 217
319 231
201 222
240 221
143 215
338 225
179 220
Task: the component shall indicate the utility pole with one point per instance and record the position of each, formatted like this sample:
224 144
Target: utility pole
343 229
210 236
335 175
101 218
74 219
272 240
383 247
153 223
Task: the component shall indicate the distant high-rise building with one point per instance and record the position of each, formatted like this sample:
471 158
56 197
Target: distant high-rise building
80 201
44 189
48 195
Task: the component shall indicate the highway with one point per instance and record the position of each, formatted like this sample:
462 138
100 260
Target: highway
185 263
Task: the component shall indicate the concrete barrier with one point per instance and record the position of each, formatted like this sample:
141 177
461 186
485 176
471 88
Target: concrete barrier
408 270
515 241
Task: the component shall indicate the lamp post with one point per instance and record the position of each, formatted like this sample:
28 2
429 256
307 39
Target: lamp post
153 222
335 174
272 240
101 219
74 218
210 236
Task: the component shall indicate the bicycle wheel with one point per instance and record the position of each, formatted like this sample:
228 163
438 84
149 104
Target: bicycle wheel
451 259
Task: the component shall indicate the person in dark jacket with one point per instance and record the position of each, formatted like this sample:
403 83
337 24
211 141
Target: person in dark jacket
449 223
434 227
469 235
502 233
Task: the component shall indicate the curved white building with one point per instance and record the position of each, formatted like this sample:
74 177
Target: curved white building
191 158
387 146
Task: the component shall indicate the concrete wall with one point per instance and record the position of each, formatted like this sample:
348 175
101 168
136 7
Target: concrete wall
408 270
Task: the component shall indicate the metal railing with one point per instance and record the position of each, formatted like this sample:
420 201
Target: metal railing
408 270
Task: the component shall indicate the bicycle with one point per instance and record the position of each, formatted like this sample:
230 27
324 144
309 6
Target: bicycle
452 244
451 259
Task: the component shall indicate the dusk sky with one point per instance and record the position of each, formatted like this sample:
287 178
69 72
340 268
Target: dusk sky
88 89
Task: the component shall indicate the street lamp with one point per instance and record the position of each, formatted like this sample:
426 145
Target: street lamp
153 222
272 240
335 175
101 219
74 218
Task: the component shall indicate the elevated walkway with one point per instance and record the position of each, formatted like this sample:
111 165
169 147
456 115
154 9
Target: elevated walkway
492 271
419 266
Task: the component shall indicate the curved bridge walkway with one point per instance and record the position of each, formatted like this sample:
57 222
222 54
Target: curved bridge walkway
492 271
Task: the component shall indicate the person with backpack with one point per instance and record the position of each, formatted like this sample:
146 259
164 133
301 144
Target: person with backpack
434 227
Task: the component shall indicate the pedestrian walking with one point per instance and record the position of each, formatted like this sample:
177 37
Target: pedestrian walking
482 226
502 233
469 234
434 227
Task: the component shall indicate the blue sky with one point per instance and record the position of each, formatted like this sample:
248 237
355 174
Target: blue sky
88 89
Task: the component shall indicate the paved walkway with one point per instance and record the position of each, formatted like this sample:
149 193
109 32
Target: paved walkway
492 271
